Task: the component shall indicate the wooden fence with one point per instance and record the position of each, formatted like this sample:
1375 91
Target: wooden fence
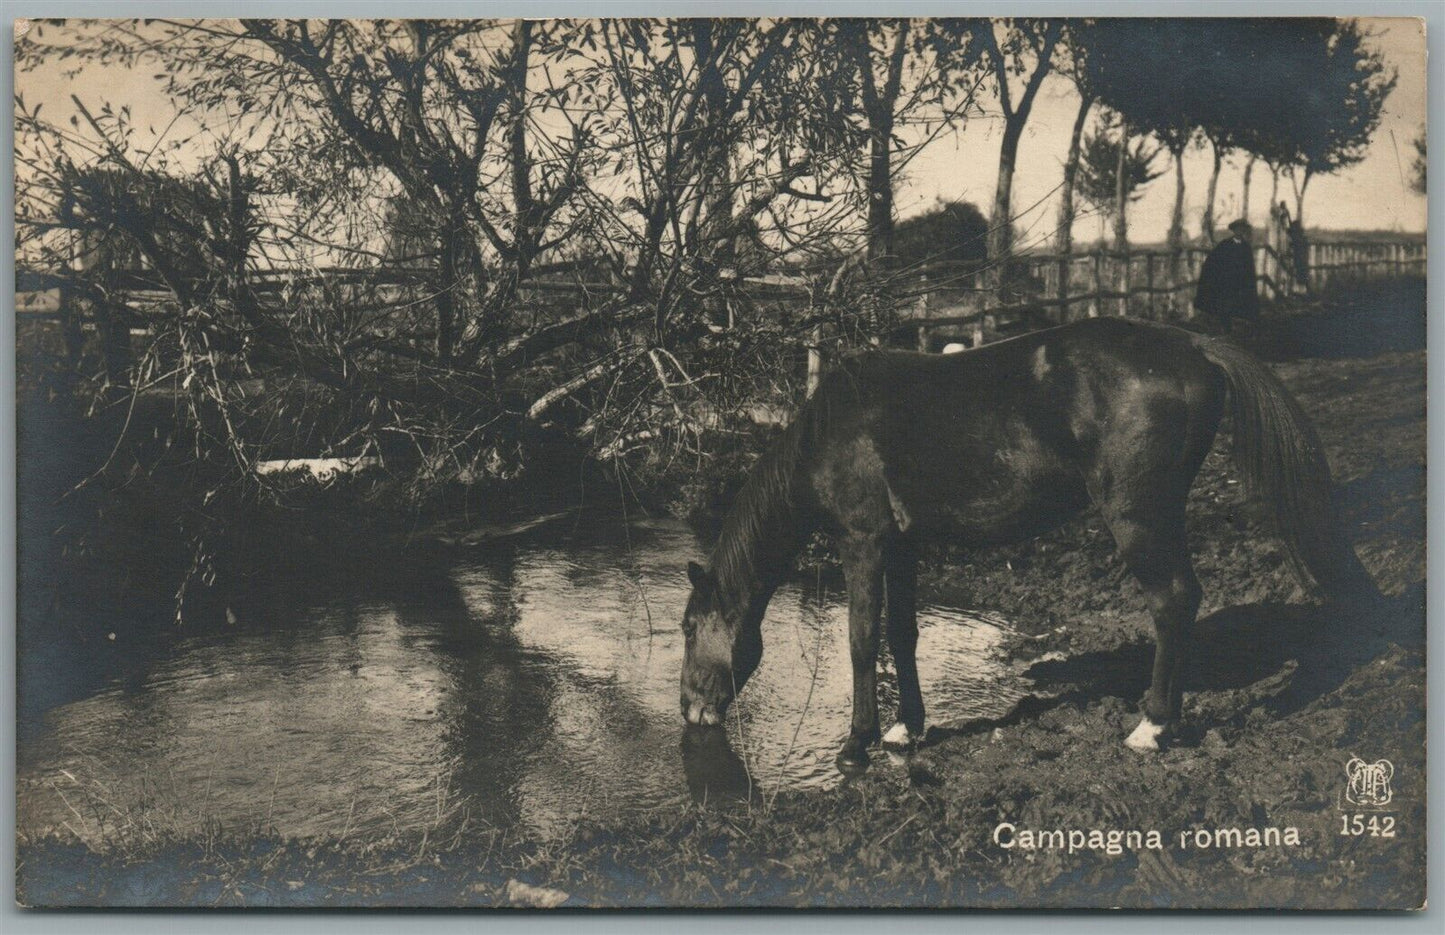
939 301
1041 289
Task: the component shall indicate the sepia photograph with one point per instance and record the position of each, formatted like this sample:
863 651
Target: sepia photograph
725 463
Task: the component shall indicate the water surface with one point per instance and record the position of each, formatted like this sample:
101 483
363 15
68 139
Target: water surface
519 686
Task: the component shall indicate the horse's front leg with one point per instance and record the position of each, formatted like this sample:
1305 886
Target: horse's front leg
863 567
901 577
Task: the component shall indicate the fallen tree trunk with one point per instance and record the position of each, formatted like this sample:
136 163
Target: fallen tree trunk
587 377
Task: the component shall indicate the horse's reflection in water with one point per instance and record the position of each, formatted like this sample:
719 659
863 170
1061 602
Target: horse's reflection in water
715 774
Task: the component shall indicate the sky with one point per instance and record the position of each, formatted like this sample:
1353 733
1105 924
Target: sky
963 164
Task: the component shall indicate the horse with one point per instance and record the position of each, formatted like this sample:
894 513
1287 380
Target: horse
995 445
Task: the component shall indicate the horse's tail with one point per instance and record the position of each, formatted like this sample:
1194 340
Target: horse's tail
1282 462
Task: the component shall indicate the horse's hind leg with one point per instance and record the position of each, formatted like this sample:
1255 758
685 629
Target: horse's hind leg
901 577
1154 545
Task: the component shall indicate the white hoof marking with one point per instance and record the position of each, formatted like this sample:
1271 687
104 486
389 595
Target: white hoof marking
897 736
1145 737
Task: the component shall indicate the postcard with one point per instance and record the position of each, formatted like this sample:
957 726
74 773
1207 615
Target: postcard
721 463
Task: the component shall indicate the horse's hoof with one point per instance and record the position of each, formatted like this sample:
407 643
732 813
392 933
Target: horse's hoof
853 758
899 737
1146 737
852 762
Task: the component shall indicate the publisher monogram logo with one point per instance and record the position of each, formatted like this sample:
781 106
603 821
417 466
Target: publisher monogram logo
1369 785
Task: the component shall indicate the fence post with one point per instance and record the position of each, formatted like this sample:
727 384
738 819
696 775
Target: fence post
1062 291
72 327
1149 284
973 306
921 310
815 360
1181 307
1178 274
1126 268
1098 285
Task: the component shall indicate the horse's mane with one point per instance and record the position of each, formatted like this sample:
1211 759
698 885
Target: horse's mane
758 532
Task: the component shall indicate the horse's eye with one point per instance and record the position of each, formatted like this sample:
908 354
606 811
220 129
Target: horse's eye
688 626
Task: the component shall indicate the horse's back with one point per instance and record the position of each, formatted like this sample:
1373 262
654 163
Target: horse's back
1055 379
1003 441
1091 340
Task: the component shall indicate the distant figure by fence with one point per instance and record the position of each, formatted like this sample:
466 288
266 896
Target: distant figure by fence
1227 288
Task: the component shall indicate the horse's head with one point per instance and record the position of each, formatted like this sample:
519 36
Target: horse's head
721 651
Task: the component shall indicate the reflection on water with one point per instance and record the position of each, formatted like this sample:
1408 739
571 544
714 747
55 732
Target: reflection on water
528 684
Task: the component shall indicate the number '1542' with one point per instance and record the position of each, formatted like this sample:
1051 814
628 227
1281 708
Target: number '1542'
1376 826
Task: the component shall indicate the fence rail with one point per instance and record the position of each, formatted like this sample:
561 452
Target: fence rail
1042 288
1146 283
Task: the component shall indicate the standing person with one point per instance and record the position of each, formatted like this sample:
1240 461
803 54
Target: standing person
1282 269
1226 288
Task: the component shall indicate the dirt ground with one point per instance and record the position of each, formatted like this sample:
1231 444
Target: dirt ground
1281 694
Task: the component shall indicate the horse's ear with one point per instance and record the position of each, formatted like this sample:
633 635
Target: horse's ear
698 576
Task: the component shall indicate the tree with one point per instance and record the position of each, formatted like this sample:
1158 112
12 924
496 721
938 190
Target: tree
1152 72
877 49
1219 147
1325 124
1176 141
674 156
703 117
437 110
889 72
120 218
1021 49
1249 162
1100 181
950 232
437 105
1074 67
1301 94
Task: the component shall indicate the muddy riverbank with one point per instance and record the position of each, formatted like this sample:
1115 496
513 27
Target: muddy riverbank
1246 809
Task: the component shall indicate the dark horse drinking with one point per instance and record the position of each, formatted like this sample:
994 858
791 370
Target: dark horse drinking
995 445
